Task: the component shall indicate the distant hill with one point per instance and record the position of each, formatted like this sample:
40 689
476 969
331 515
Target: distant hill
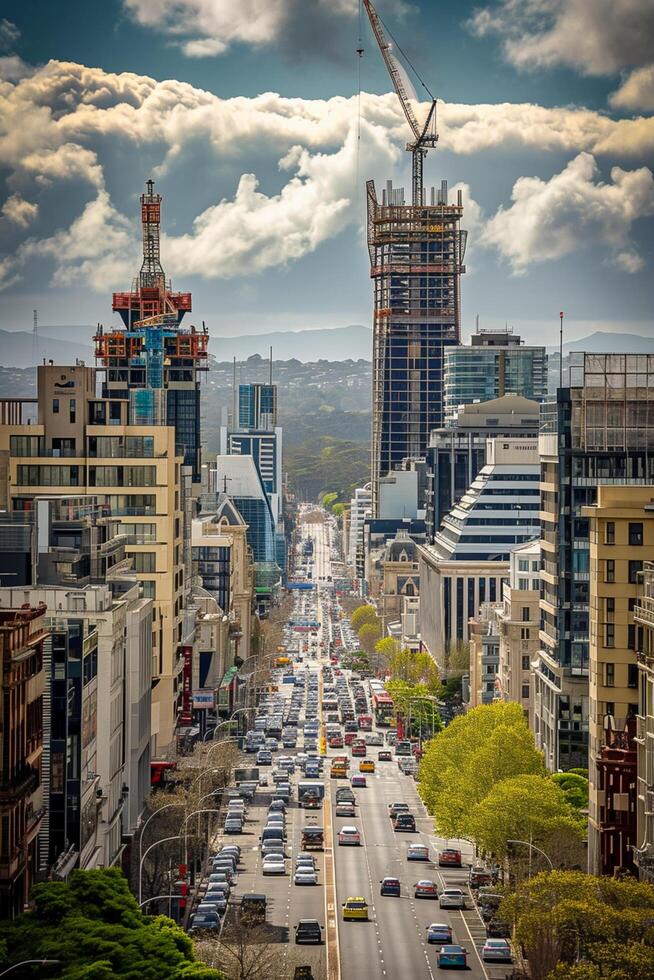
602 342
18 350
335 344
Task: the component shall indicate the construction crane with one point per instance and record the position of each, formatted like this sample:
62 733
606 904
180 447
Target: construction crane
425 137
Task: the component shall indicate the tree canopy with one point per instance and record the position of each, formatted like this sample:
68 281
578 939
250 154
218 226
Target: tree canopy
416 668
574 926
368 636
363 614
93 926
422 713
575 788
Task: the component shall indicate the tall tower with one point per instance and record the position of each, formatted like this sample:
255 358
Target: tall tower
416 262
153 361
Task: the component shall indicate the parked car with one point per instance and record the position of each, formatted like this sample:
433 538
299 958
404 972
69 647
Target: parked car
496 951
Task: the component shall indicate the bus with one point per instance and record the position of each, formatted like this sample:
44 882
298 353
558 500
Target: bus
382 708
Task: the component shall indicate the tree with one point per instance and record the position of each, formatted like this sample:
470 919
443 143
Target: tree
416 668
568 918
328 499
363 614
368 636
575 788
247 953
415 704
457 657
528 808
94 927
385 650
464 761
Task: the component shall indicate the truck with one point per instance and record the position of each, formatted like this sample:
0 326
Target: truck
310 793
246 774
313 838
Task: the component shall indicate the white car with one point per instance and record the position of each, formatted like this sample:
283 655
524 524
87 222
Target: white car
274 864
349 835
305 875
452 898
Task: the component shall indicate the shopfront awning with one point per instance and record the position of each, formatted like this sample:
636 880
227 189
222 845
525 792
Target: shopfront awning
228 676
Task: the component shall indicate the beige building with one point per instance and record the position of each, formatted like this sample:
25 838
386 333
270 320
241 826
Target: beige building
518 620
83 444
644 622
399 571
621 528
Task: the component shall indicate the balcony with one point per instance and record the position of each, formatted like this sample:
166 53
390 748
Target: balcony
24 782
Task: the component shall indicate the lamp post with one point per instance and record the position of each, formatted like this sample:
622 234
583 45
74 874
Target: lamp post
166 806
164 840
532 847
15 966
184 831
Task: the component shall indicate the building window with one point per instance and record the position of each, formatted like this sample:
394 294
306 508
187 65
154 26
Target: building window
635 533
525 614
631 636
72 410
145 561
523 565
525 690
609 537
55 406
609 675
634 568
610 606
525 663
609 575
609 634
525 633
632 675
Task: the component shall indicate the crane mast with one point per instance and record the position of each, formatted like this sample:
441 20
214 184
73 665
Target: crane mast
424 136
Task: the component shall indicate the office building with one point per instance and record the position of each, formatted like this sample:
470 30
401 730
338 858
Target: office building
518 620
360 508
83 445
399 570
153 362
643 853
496 363
597 431
457 451
484 640
416 262
621 533
468 562
23 633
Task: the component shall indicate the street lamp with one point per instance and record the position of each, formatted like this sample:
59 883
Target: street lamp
164 840
15 966
166 806
532 847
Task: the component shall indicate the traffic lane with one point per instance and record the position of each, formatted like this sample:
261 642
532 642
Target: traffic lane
305 901
361 945
400 920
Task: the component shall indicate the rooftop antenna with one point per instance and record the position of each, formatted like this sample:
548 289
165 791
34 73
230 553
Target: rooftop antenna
35 335
271 365
561 316
234 396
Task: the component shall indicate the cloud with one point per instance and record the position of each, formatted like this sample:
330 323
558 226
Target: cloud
9 34
573 210
636 91
598 37
19 211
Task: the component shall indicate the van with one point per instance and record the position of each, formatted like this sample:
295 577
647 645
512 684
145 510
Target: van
270 833
253 909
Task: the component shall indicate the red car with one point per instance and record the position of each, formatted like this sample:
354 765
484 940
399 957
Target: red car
336 742
425 889
449 858
349 737
384 755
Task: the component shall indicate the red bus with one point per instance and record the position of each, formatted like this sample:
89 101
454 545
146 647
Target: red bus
382 706
365 723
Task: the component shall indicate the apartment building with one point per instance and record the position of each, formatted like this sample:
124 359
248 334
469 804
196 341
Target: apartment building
621 533
643 852
23 632
518 620
82 444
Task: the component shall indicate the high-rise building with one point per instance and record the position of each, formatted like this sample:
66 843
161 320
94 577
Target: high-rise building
597 431
83 445
496 363
457 452
360 505
518 621
468 562
643 852
621 533
153 362
23 633
416 258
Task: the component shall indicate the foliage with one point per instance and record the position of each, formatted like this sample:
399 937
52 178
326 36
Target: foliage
416 668
422 714
328 498
338 509
457 657
321 465
528 808
368 636
575 788
363 614
385 650
464 762
94 927
574 926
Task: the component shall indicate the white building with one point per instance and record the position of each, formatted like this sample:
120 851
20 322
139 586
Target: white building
360 508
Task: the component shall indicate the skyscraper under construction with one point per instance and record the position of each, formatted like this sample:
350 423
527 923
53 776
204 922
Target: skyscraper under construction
416 258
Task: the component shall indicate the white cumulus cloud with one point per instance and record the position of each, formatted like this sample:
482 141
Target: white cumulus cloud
598 37
636 91
549 219
19 211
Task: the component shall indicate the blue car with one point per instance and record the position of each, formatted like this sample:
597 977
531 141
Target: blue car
449 956
439 932
391 886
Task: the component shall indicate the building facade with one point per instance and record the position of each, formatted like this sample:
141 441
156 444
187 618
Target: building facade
598 431
360 508
518 621
23 633
621 533
416 263
496 364
644 621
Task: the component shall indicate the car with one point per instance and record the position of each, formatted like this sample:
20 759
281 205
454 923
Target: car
305 858
425 889
390 886
214 903
496 951
277 806
397 807
204 920
358 781
404 822
308 931
345 795
349 836
497 928
449 857
366 765
439 932
417 852
345 809
233 826
355 908
273 864
452 898
384 755
305 874
449 956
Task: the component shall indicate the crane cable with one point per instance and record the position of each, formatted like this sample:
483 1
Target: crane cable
406 58
359 51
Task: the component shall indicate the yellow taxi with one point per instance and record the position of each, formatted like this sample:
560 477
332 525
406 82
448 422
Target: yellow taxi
366 765
355 908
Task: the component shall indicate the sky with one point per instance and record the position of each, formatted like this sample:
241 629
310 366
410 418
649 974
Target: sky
260 125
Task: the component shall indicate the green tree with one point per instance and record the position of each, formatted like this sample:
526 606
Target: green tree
328 499
464 761
568 918
385 650
528 808
575 788
337 509
416 668
414 702
363 614
368 636
94 927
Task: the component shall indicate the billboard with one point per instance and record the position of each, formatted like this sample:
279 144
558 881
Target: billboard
204 700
